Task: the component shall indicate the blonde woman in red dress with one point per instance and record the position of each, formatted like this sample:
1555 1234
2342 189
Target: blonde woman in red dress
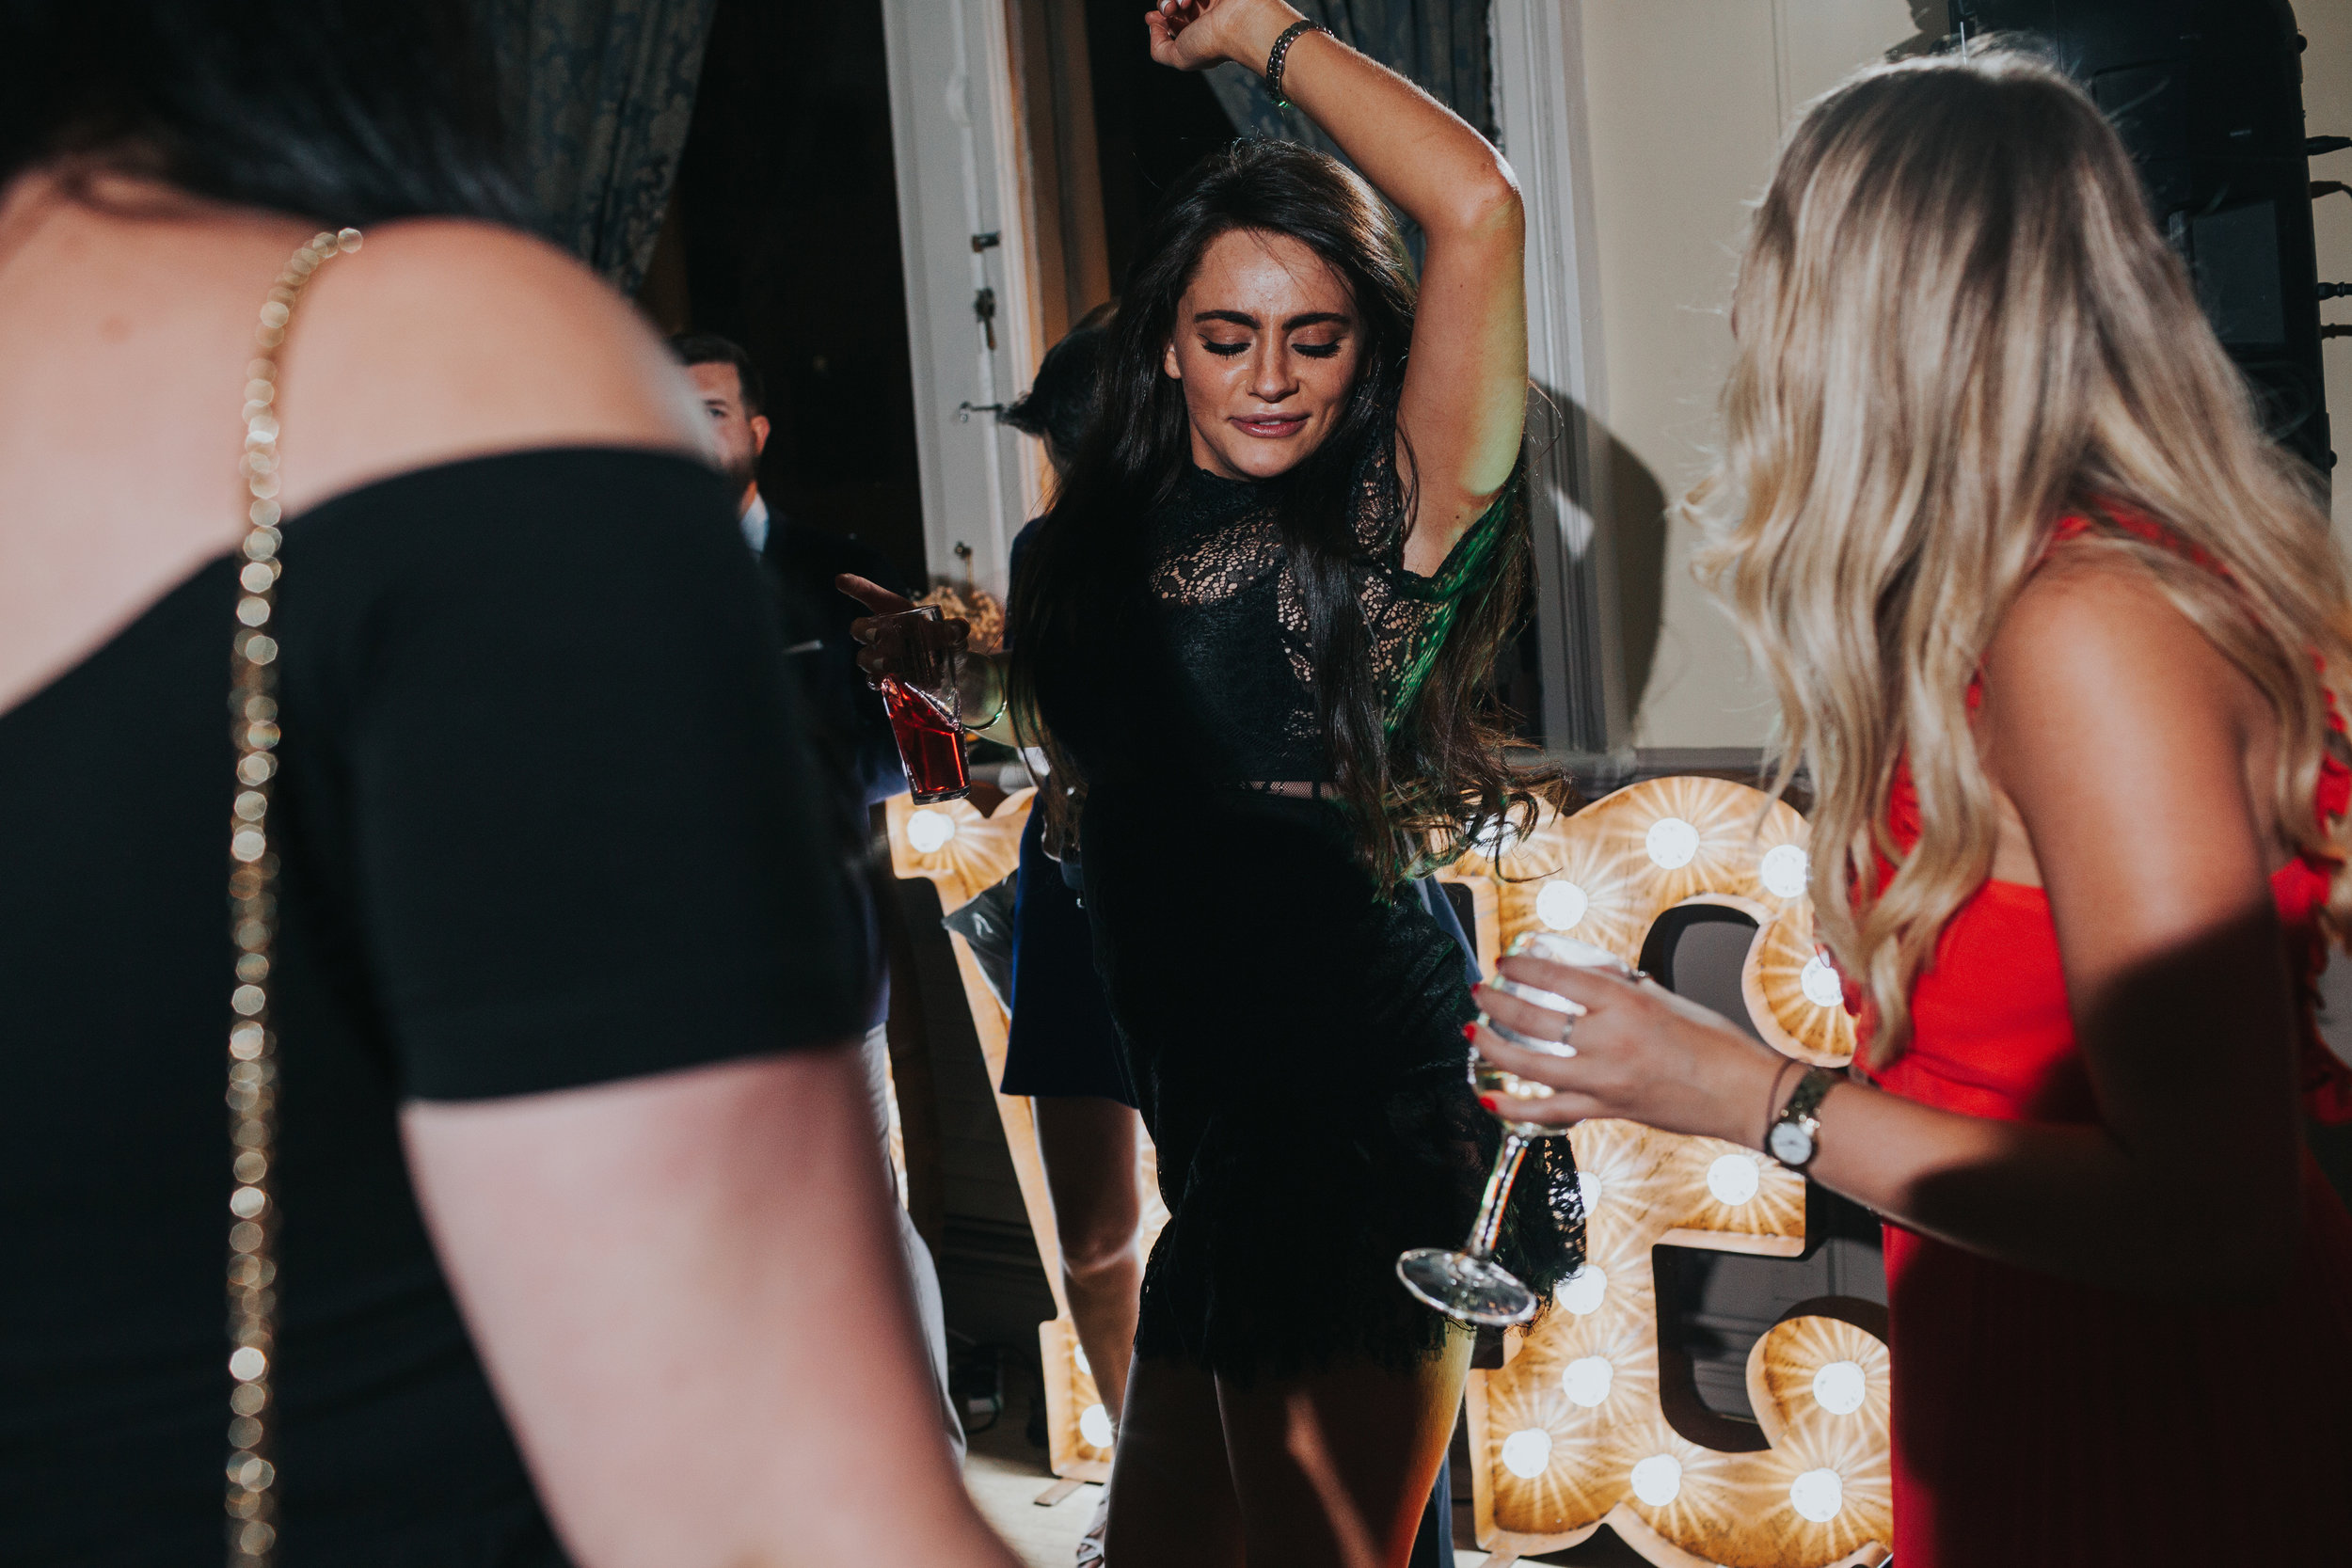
2058 635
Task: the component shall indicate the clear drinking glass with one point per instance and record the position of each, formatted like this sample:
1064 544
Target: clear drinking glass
1468 1286
926 716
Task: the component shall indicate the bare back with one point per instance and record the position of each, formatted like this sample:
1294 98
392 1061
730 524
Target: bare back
124 331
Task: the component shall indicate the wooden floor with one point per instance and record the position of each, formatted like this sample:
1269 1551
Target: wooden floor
1005 1475
1006 1486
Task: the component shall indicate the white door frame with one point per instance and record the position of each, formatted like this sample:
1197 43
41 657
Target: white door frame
1538 54
956 150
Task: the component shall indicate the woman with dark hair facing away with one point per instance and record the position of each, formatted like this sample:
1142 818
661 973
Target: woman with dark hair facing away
543 1206
1257 623
1062 1051
2060 637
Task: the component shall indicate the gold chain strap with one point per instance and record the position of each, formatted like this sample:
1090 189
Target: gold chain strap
252 1500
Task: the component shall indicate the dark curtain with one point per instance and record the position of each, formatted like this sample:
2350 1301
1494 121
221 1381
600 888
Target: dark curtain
1440 45
598 96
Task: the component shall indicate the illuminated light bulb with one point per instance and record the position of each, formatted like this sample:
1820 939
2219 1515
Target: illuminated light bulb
1527 1454
1784 871
1588 1191
930 830
1095 1425
1582 1291
1078 1353
1657 1479
1733 1179
1561 904
1818 1495
1839 1387
1820 984
1587 1379
1672 843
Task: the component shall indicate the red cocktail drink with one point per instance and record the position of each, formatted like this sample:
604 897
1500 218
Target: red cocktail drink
930 743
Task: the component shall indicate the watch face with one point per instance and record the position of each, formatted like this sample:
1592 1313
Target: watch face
1791 1144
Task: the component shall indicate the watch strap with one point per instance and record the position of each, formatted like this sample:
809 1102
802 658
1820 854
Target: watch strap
1801 1111
1806 1097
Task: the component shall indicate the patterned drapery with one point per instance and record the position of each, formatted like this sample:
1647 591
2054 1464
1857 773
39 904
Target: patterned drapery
598 96
1440 45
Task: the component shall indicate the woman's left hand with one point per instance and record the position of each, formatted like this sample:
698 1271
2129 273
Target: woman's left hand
1641 1053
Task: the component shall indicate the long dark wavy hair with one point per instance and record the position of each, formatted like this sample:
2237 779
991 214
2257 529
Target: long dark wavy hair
1416 785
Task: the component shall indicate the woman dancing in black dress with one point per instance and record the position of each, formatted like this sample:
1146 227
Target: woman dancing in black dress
1256 623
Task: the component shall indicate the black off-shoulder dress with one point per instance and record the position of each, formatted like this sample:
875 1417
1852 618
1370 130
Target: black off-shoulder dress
546 820
1293 1031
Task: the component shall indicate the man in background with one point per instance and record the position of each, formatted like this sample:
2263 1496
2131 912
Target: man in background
800 564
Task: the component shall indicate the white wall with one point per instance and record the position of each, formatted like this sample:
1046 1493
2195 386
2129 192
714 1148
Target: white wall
1686 101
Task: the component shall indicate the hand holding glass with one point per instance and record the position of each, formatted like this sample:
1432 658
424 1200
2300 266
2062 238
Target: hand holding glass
921 694
1468 1286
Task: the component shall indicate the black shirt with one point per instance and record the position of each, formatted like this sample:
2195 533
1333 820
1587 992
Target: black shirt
1208 665
546 822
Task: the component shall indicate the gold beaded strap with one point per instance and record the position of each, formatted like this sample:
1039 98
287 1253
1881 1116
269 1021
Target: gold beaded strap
252 1499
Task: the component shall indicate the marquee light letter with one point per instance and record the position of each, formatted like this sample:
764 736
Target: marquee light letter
1570 1432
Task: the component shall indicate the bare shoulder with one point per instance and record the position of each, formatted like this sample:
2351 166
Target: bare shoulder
2096 678
2092 632
443 339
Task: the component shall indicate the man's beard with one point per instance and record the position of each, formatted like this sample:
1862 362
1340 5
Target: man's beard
743 472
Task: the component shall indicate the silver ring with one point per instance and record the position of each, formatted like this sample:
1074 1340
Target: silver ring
1562 1047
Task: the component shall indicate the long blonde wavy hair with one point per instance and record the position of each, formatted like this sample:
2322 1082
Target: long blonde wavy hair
1957 325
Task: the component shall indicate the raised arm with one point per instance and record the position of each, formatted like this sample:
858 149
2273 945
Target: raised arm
1464 400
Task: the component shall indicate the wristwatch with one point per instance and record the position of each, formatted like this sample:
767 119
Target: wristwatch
1792 1137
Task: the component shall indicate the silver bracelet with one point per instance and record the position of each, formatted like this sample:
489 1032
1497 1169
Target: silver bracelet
1275 61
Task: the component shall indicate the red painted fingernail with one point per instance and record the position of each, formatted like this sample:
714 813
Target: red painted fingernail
1469 1031
1486 1102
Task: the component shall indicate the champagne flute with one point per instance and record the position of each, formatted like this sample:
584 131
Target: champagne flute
1468 1286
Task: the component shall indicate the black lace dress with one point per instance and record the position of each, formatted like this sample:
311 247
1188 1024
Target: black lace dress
1294 1034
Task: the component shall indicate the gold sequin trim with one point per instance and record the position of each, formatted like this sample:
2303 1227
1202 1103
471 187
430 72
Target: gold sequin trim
251 1474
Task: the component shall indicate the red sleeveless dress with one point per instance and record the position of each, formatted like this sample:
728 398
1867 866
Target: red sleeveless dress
2041 1422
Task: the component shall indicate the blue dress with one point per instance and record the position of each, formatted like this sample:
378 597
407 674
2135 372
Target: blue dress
1062 1040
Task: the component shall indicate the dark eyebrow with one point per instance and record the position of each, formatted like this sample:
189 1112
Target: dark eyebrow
1313 318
